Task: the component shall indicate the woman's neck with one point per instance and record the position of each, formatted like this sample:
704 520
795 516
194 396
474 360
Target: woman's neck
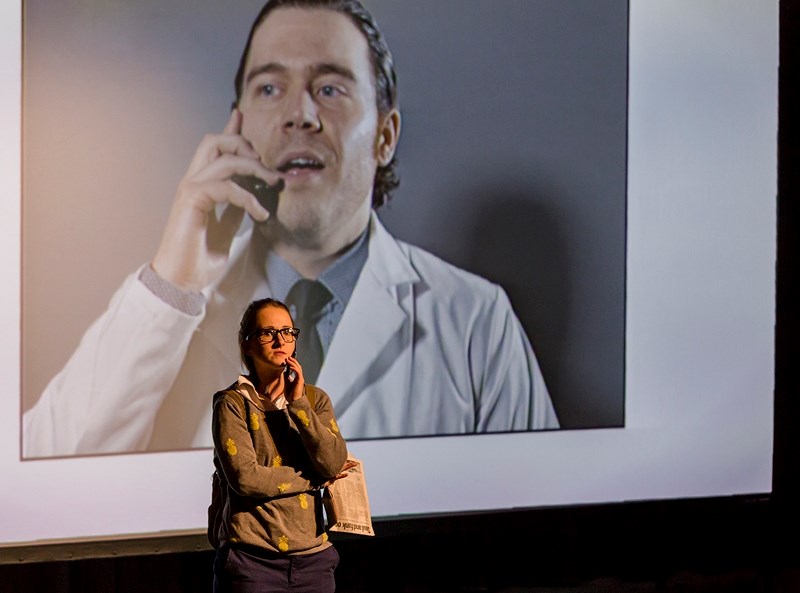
270 386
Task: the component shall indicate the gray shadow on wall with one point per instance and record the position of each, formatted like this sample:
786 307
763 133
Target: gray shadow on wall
520 243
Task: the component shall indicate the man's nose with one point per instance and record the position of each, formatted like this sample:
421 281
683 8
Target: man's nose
301 112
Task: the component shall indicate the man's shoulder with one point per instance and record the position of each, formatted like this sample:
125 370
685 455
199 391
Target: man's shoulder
444 276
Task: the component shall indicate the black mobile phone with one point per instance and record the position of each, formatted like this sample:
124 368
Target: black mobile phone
267 195
290 374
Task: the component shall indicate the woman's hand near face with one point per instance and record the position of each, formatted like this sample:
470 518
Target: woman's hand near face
295 388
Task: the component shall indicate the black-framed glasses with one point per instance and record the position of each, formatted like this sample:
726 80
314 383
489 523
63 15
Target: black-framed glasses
267 335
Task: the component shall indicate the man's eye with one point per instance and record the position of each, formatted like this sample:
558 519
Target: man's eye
267 89
328 91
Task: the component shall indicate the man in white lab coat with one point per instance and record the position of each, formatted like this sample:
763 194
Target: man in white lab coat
412 345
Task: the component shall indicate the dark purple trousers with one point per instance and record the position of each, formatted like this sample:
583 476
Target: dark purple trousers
245 570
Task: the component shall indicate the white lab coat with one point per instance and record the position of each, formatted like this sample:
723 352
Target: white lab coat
423 348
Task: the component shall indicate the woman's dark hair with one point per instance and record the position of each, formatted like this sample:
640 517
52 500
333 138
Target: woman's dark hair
386 177
248 326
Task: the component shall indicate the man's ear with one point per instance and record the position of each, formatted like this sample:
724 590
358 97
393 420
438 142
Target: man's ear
388 134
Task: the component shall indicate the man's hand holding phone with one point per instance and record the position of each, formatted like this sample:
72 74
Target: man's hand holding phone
196 241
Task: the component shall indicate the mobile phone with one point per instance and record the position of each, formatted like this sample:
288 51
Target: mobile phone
267 195
289 373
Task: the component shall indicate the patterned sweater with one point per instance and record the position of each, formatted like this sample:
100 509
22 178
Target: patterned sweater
274 462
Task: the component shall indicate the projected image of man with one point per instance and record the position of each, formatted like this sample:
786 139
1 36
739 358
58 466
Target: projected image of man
405 343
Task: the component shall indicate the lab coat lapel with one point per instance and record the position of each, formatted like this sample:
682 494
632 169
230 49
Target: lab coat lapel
375 326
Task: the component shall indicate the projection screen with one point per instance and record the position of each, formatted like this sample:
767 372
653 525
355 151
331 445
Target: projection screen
651 301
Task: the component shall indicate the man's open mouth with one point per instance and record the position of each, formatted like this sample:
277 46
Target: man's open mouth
300 163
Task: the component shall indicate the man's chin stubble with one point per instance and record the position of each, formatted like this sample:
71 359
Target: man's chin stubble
304 234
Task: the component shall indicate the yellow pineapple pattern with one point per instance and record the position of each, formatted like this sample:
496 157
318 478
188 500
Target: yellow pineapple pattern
254 424
303 501
303 417
230 447
282 487
283 543
277 461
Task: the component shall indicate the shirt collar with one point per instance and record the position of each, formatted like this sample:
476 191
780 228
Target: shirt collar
247 389
340 277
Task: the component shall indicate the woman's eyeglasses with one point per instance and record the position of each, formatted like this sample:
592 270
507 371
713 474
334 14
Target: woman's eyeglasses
266 335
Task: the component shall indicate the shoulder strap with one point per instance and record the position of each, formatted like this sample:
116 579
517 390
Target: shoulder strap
247 416
247 419
246 403
311 394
